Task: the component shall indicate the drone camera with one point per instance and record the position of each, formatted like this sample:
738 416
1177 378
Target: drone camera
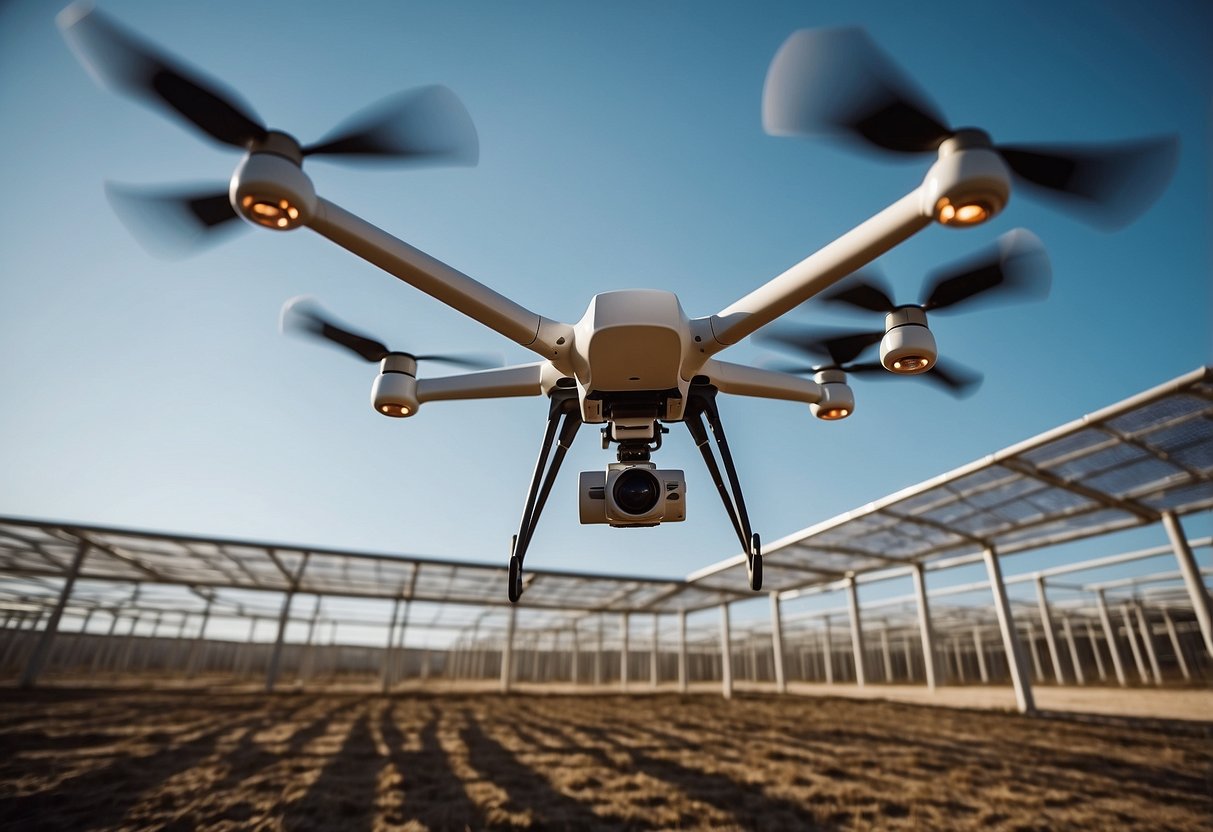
837 398
908 347
632 494
394 392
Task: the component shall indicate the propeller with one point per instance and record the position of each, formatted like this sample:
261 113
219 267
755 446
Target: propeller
303 316
1015 268
839 82
424 126
840 348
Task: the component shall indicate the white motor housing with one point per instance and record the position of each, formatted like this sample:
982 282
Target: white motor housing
394 392
908 347
837 398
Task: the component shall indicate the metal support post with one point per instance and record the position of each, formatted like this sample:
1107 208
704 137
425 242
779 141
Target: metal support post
1110 636
1147 639
682 651
42 649
1010 639
1175 645
726 654
924 626
827 651
781 682
1099 668
386 670
271 672
598 655
191 662
653 655
624 627
856 630
507 652
1133 648
1201 604
886 653
1046 622
1069 634
575 670
981 656
1037 669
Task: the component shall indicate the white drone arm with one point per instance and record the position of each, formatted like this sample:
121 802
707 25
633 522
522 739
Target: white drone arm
819 271
546 337
740 380
522 380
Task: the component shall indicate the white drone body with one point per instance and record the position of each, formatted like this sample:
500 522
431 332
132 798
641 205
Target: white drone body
631 342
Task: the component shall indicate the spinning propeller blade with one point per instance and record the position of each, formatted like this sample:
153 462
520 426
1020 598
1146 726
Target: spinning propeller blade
1017 268
839 82
429 125
842 347
302 315
122 60
170 222
426 126
863 290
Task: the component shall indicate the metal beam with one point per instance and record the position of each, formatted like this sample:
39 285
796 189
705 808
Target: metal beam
682 651
781 684
856 631
1010 639
1197 591
42 648
1046 622
1109 633
924 625
726 654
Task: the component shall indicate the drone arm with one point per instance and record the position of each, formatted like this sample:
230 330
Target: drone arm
819 271
440 281
523 380
740 380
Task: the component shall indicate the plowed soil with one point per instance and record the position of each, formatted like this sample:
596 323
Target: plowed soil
224 761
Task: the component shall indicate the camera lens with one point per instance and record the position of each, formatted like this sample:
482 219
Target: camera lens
636 491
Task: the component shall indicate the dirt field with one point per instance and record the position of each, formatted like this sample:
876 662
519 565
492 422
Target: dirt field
143 760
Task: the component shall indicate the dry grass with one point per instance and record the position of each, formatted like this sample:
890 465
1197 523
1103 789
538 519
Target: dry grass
143 760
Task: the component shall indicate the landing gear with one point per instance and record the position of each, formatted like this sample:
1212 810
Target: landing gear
701 404
564 403
515 588
754 563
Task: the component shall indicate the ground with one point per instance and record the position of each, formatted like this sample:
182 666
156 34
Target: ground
77 759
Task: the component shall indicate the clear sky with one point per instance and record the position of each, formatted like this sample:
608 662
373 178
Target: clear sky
621 147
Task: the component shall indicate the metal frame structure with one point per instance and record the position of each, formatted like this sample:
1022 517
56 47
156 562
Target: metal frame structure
1148 459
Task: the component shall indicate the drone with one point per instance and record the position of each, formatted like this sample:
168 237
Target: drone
635 362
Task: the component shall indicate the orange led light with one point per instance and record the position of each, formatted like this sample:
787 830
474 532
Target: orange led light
395 410
970 213
833 413
267 212
910 364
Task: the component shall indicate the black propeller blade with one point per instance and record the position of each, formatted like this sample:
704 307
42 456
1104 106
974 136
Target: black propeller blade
122 60
842 347
174 221
1016 268
304 316
839 82
426 126
429 125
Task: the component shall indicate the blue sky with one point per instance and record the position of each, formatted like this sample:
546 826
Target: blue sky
621 147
